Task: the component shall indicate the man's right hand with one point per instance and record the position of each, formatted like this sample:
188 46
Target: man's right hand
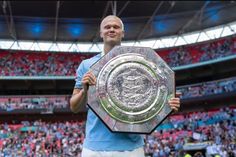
88 80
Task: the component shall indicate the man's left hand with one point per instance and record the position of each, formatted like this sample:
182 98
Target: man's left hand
175 102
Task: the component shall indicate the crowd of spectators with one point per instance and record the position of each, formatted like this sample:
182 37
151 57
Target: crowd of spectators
217 50
39 63
15 63
62 101
198 53
218 128
44 139
208 88
9 103
180 56
41 139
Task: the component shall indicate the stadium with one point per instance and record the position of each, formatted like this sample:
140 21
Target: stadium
42 44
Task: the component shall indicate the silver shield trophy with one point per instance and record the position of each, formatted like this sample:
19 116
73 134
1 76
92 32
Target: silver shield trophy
132 91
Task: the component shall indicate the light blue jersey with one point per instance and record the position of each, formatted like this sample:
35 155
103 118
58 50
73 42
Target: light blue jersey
98 136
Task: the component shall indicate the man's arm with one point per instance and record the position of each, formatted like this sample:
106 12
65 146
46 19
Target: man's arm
78 99
79 96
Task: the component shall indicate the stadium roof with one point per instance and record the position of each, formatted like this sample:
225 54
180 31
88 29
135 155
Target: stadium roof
74 21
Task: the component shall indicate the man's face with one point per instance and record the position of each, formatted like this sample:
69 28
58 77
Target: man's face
111 31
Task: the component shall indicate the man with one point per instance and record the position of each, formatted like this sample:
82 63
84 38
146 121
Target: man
99 140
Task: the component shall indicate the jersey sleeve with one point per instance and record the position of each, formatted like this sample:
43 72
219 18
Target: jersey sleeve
79 75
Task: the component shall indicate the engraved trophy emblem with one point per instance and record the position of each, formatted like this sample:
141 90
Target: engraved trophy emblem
133 87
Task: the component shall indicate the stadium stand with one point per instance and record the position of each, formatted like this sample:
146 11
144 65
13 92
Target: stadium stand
18 63
10 103
215 128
